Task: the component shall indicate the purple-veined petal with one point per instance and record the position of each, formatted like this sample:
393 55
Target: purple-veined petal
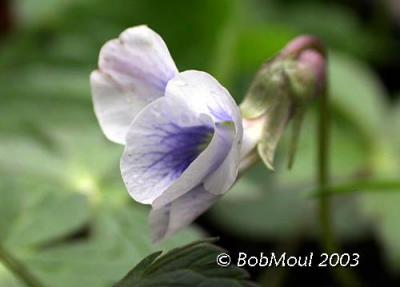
170 147
168 219
204 165
205 95
133 71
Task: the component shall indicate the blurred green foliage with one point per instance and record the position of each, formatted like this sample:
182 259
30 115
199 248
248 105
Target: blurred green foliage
64 210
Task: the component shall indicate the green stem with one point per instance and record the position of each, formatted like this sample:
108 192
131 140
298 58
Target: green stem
19 270
343 276
323 179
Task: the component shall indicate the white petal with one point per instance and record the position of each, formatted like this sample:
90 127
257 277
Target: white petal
221 180
133 71
159 221
205 95
179 213
163 142
114 106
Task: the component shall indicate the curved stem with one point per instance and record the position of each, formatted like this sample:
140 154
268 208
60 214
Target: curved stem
343 276
19 270
323 177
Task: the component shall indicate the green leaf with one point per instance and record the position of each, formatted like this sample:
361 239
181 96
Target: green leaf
190 265
53 211
10 205
103 242
137 273
30 207
63 210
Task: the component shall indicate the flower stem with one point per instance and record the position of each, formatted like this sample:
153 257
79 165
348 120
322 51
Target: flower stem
19 270
323 178
343 276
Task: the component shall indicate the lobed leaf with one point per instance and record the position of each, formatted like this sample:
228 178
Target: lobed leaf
190 265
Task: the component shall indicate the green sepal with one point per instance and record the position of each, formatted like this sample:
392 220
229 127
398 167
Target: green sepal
281 91
262 94
273 129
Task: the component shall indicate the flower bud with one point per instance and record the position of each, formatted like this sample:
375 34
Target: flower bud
281 91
